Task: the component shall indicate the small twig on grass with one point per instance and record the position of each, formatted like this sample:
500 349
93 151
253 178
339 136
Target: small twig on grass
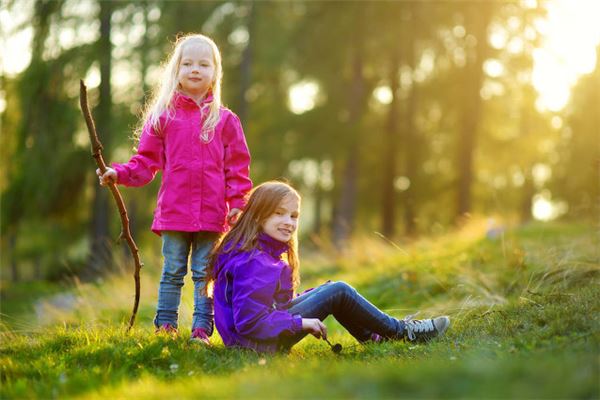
550 294
125 231
381 235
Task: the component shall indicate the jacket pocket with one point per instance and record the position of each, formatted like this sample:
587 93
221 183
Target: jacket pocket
216 152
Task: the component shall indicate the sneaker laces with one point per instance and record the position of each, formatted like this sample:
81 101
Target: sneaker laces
417 326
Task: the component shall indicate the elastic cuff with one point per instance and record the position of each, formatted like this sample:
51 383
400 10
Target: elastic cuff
401 329
297 323
237 203
119 170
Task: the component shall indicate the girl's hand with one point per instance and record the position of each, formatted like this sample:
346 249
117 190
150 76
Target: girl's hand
110 176
233 216
315 327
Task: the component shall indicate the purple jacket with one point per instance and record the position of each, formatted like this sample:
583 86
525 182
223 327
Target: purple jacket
251 290
201 181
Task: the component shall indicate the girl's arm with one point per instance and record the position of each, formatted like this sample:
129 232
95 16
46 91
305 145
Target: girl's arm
285 294
143 166
252 303
236 162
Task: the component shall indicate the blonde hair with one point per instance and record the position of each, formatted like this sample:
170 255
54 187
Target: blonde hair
263 202
162 95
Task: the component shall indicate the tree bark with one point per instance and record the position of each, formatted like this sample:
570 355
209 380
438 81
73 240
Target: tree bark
99 243
410 141
12 245
478 18
527 194
344 217
246 63
347 200
318 206
390 152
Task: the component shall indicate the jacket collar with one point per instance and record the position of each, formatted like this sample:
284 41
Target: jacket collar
272 246
182 100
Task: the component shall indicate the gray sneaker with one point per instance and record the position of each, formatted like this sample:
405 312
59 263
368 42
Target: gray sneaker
423 330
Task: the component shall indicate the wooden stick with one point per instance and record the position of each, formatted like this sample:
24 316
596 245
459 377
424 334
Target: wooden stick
125 231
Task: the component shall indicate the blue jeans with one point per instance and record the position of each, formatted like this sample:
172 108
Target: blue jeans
176 251
350 309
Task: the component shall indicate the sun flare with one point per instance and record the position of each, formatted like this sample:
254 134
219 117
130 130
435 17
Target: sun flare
571 33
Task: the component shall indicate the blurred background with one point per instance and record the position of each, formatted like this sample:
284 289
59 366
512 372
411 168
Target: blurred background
398 119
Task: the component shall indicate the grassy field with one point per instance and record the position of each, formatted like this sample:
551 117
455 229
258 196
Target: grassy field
525 310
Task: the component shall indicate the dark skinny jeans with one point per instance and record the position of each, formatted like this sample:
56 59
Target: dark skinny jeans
350 309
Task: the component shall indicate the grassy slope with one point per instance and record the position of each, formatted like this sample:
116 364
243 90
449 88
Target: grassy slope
525 310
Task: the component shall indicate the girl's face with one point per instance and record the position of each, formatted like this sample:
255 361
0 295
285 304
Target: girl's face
196 70
282 224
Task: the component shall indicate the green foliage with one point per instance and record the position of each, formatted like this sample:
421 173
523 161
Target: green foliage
525 324
347 49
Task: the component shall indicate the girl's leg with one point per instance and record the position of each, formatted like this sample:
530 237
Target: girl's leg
354 312
175 249
202 244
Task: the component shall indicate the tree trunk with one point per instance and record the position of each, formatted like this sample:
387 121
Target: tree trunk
410 140
318 206
132 203
526 197
343 220
100 240
342 227
478 18
528 190
390 152
12 246
37 268
246 63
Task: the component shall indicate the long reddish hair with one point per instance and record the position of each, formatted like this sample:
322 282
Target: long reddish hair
264 200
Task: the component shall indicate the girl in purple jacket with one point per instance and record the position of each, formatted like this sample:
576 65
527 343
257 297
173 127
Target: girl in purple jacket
254 287
200 147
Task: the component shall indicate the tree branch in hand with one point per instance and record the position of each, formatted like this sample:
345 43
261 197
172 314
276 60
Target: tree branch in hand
125 231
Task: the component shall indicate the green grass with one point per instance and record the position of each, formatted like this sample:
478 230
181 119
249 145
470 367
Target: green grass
525 312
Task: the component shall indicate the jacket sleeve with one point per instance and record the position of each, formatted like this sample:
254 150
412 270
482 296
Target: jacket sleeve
252 302
143 166
237 163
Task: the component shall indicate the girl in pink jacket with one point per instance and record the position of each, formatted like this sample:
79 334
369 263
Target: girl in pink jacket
200 147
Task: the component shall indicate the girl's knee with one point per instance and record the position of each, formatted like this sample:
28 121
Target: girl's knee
174 276
199 274
341 286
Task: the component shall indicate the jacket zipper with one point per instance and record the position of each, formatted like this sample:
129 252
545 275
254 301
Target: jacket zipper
226 285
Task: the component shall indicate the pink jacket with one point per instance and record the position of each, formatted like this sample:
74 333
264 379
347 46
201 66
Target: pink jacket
201 181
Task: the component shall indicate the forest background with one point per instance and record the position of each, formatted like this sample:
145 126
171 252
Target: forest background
397 119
